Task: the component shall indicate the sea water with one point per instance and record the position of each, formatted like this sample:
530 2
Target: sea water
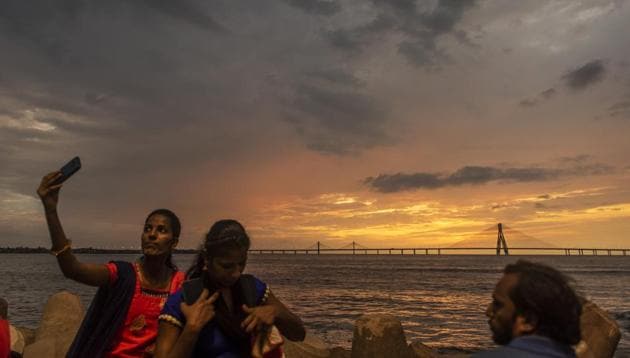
440 300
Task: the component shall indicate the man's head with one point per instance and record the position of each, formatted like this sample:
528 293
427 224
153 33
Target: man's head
533 298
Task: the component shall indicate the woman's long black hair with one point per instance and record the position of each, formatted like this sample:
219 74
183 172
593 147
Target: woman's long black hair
224 237
176 227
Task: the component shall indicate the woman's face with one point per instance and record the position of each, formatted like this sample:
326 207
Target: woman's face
225 270
157 236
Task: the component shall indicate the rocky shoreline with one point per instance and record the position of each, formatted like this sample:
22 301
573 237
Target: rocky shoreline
374 336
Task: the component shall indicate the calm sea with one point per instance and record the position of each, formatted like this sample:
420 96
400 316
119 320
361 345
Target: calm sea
440 300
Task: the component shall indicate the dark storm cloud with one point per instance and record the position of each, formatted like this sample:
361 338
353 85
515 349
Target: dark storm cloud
585 75
68 50
576 159
548 93
158 65
527 103
623 105
59 29
317 7
576 80
464 38
338 121
620 109
188 11
420 28
477 175
336 76
542 96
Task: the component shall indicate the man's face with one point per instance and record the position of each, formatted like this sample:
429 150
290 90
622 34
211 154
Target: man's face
501 312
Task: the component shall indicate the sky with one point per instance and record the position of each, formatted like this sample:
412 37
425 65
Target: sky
387 122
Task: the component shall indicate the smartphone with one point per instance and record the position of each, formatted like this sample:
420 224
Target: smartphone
67 170
192 290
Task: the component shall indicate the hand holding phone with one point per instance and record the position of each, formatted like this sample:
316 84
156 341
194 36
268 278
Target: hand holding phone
48 189
68 170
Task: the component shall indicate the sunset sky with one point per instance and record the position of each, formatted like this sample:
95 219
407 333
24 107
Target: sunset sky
386 122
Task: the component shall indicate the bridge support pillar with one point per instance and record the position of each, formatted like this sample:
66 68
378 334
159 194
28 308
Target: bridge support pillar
501 241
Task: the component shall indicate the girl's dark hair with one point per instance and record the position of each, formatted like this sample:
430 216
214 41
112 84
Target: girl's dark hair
223 237
176 227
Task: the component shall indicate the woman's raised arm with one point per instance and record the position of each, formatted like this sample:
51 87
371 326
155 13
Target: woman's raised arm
89 274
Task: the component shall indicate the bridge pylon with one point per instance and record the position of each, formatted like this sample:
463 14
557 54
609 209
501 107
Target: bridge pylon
501 241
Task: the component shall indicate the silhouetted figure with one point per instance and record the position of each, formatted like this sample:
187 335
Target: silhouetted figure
534 313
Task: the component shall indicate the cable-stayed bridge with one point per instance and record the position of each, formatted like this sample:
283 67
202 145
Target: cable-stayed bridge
477 244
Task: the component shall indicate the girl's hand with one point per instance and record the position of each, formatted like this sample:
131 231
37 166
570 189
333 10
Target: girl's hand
48 193
258 316
200 312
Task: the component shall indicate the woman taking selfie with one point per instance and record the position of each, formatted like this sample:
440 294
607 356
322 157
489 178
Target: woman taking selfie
235 315
122 319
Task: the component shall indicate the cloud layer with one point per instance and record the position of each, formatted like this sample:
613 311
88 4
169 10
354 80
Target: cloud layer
215 109
477 175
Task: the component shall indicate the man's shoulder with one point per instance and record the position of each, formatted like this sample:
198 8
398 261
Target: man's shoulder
505 352
529 347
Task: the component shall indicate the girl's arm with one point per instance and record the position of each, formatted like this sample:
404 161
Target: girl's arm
176 342
172 341
273 311
90 274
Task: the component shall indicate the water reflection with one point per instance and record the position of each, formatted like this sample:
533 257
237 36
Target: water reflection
440 300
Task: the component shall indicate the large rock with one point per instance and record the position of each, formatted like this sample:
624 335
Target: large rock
17 340
60 321
600 333
43 348
310 347
378 336
420 350
339 352
28 334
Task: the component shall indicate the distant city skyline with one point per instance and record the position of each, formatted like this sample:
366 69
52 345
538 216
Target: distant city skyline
406 123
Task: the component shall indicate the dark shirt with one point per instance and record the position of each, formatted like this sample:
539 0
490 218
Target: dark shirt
212 341
532 346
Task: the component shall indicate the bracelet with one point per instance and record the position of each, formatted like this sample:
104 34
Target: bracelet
62 250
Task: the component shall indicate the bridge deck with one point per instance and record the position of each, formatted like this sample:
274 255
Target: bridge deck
572 251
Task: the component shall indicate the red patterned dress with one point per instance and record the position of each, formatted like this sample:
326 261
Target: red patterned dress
136 338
